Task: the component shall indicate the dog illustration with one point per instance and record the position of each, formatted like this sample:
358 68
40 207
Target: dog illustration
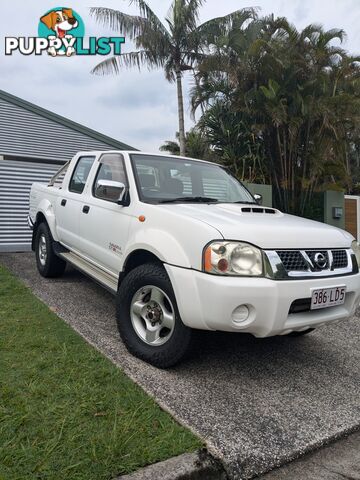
61 22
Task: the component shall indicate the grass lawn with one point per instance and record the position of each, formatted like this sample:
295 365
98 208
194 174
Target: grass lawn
66 412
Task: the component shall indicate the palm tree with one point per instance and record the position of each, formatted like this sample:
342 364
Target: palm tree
295 92
196 146
174 45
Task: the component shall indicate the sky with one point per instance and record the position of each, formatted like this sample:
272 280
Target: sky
138 108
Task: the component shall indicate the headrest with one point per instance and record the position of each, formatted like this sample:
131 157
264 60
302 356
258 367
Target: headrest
173 185
147 180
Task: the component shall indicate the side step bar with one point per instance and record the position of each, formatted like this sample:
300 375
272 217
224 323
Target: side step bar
110 282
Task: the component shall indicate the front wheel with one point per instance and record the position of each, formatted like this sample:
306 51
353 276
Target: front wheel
148 318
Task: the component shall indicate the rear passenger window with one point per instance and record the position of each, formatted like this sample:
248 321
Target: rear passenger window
80 174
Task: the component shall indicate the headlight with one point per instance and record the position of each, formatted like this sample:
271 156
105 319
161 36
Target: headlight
233 258
356 249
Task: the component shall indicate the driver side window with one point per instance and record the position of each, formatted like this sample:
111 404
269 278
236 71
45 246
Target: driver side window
112 169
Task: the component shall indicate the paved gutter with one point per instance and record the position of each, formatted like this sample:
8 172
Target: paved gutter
338 461
190 466
257 403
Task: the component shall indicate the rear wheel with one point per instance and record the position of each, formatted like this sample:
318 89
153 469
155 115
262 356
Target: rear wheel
48 264
148 318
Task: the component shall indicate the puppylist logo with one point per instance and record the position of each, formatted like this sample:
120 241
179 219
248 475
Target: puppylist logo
61 32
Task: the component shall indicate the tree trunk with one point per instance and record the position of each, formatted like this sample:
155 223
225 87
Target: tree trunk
181 115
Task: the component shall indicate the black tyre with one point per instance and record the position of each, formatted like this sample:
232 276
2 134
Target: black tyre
48 264
300 334
148 318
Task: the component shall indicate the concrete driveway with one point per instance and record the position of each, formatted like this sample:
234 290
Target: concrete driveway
257 403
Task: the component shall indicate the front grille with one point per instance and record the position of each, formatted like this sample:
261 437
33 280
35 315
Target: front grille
340 259
293 260
312 254
297 260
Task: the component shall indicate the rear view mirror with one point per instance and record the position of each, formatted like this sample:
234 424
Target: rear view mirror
110 190
258 198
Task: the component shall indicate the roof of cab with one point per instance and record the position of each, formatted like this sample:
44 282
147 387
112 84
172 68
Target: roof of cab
139 152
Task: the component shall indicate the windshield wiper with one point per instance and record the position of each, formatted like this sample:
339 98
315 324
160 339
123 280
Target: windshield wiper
248 203
191 200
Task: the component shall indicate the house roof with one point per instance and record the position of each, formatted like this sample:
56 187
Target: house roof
116 144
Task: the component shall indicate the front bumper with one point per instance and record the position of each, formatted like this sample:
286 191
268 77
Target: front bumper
207 302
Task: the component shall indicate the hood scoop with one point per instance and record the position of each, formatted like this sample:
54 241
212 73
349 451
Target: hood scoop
270 211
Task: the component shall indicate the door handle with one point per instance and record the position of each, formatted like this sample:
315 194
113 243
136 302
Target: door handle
86 209
63 202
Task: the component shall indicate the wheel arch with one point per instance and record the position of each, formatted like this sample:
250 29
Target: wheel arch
138 257
45 214
40 218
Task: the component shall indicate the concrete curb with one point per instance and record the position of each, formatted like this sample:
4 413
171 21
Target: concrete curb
189 466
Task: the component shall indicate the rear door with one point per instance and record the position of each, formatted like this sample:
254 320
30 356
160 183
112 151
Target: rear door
104 225
69 203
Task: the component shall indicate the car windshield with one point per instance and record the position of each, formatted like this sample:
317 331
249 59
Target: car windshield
163 179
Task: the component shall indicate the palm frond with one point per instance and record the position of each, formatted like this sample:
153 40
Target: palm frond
171 147
192 13
129 25
194 6
146 33
214 63
220 26
226 23
155 42
182 18
153 19
137 59
333 34
311 30
278 27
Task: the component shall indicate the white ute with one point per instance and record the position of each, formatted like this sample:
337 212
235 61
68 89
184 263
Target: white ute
183 245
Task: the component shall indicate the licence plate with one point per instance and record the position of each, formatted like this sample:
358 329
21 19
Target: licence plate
327 297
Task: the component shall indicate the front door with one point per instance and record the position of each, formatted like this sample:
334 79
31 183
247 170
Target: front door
104 225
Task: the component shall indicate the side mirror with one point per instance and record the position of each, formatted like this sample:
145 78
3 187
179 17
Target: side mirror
258 198
111 191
